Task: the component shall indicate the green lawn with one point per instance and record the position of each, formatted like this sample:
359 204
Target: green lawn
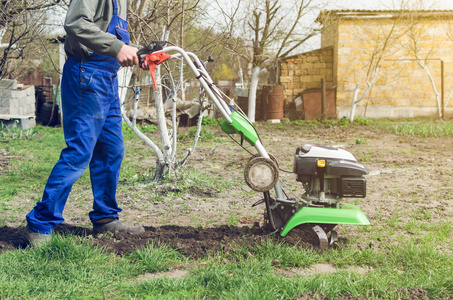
72 268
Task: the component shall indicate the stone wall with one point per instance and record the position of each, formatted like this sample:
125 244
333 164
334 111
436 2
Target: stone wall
402 88
304 71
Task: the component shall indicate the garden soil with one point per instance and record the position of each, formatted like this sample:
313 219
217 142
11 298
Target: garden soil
410 179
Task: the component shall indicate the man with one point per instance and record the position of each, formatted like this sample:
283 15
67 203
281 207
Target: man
97 45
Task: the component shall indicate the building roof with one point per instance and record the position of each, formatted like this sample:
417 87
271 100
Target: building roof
328 48
325 15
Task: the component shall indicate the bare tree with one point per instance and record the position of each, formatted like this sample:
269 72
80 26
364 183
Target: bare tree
377 36
148 18
408 33
21 22
269 37
422 60
169 16
272 29
378 46
422 46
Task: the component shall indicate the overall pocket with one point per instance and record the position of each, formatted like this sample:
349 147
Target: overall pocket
122 34
85 77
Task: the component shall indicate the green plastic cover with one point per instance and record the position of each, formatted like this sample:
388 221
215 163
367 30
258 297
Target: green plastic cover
346 214
241 125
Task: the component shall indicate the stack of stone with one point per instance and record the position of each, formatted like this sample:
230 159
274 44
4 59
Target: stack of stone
17 104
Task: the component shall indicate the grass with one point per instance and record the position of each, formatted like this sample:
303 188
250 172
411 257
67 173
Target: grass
72 267
422 128
205 135
41 148
314 124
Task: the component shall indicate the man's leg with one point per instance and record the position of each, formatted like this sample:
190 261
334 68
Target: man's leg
105 170
81 126
105 166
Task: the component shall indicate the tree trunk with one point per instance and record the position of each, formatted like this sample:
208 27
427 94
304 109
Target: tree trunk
163 130
252 93
422 64
354 103
166 161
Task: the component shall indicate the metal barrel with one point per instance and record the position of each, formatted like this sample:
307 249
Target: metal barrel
272 97
243 103
259 113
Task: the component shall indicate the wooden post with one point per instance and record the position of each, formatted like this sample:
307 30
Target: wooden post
323 99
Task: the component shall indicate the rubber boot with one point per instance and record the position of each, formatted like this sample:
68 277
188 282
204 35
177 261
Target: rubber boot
35 238
112 225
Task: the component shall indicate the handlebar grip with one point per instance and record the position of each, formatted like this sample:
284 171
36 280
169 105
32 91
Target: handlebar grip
152 47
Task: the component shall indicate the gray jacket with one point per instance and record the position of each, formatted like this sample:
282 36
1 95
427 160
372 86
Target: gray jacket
86 24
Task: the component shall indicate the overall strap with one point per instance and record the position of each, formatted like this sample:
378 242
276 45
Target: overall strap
115 8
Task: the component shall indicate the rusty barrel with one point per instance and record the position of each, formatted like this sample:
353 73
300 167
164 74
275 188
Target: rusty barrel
272 97
259 114
243 103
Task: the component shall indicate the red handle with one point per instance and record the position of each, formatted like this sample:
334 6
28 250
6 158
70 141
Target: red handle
154 60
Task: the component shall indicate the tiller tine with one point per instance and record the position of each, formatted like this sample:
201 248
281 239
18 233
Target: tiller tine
322 236
333 239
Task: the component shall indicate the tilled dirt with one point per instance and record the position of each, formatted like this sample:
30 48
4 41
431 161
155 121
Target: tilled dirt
193 242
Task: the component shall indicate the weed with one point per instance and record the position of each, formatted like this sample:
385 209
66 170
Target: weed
365 157
427 215
16 133
343 122
195 220
319 123
148 128
210 122
205 135
394 221
361 141
362 121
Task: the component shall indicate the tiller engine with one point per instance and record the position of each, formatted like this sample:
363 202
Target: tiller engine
327 175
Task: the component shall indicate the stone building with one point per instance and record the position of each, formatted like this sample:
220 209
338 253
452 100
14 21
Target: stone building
305 71
405 58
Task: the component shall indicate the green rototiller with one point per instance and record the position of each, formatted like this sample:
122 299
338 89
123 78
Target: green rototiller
327 174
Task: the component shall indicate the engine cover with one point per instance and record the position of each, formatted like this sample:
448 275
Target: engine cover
339 162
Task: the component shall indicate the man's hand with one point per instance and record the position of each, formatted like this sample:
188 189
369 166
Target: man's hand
127 56
144 65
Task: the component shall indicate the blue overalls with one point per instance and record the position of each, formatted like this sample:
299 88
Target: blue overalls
92 129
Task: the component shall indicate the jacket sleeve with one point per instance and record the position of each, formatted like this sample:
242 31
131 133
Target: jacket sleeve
80 24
